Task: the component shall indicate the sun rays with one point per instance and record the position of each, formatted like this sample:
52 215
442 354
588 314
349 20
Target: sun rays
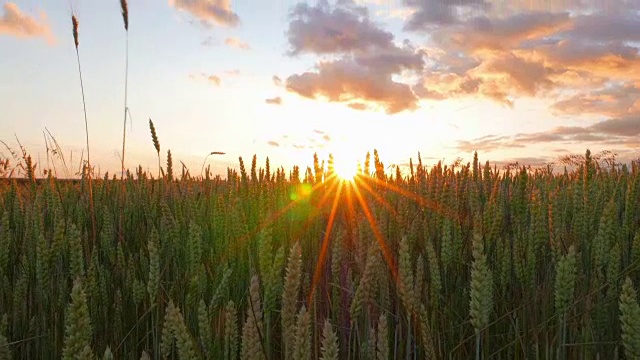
345 196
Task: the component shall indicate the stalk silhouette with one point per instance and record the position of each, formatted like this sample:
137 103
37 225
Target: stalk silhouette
206 157
125 18
74 22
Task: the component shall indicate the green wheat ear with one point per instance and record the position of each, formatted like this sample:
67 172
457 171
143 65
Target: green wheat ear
290 298
481 295
184 341
204 327
329 348
166 341
302 341
630 320
108 355
382 345
154 264
252 329
78 332
565 280
230 331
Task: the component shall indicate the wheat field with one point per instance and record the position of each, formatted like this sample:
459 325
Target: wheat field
448 262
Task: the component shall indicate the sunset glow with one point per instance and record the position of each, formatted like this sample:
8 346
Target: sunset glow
518 81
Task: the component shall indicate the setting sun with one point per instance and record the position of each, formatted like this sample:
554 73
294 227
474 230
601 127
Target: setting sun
346 168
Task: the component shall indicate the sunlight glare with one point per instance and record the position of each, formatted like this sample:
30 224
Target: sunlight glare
346 168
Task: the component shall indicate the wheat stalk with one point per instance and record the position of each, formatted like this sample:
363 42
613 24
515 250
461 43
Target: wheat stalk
74 23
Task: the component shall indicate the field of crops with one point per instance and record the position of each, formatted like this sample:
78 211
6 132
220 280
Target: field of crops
447 262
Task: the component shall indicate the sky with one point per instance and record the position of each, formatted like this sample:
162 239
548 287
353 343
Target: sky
516 80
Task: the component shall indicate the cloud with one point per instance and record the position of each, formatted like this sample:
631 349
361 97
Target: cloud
209 12
364 75
208 41
483 56
499 78
358 106
213 79
487 143
523 76
274 101
609 7
524 161
629 126
397 13
277 81
430 13
237 43
443 85
573 53
615 100
611 60
323 30
609 132
505 33
15 23
601 27
316 139
346 81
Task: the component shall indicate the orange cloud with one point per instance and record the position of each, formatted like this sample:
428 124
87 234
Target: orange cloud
616 101
348 82
237 43
546 53
612 60
274 101
15 23
214 80
484 33
209 11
